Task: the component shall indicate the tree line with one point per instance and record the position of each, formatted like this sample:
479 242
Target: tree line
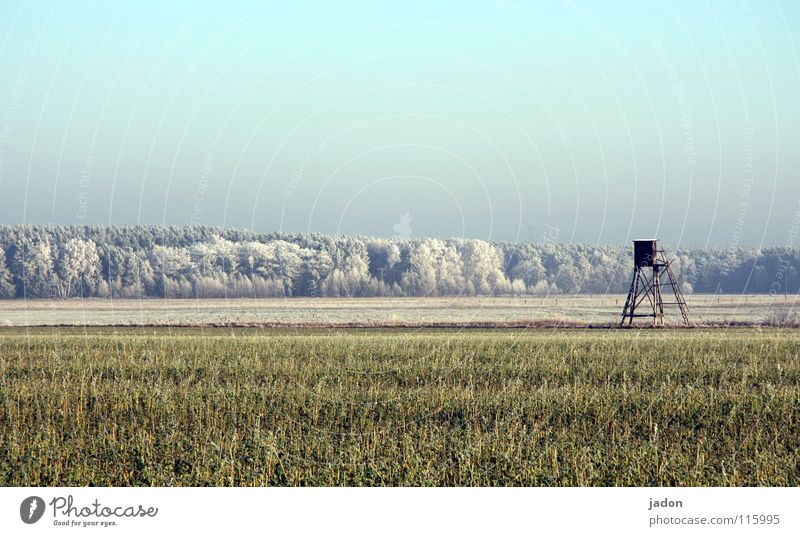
44 261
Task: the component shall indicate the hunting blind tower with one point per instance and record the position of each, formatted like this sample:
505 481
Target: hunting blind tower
650 265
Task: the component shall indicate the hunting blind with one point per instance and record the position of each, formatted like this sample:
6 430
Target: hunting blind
650 266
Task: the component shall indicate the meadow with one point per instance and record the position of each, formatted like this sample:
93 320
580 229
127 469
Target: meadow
553 310
167 406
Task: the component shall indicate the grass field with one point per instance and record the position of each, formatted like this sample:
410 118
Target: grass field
195 407
553 310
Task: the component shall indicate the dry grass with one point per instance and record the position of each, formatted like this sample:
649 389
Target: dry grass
161 406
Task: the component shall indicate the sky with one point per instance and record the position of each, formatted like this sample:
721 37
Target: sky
564 121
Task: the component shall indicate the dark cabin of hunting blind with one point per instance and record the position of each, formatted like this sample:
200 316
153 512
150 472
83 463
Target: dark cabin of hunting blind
644 252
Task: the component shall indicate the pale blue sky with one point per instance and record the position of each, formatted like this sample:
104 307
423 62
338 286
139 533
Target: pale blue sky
508 120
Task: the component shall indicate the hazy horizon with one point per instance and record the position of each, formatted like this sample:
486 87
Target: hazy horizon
499 120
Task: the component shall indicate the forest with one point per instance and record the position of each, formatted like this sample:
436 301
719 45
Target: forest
59 262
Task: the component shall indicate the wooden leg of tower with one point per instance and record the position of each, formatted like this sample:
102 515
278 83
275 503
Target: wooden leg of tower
646 293
633 296
629 299
659 302
678 296
654 292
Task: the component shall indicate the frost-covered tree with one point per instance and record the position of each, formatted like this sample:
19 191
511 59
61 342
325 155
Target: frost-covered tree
421 278
7 289
530 270
78 268
139 261
33 267
483 268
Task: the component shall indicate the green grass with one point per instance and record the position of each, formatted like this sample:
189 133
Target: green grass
223 407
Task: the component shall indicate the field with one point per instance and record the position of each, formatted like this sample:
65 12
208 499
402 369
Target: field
579 310
222 407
